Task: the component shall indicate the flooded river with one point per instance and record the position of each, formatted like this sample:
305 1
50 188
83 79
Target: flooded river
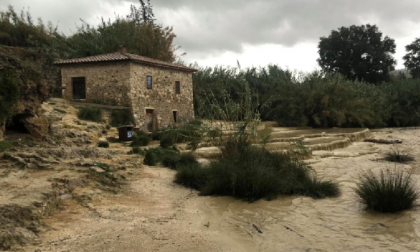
158 215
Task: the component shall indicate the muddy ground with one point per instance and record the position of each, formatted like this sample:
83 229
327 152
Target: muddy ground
145 211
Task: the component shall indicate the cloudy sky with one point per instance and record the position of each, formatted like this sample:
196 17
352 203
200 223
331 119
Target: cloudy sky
256 33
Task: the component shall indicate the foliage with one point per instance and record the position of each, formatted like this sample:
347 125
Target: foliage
186 131
412 58
137 150
89 113
141 138
5 146
191 175
150 158
9 95
396 155
103 144
175 160
358 52
389 192
121 118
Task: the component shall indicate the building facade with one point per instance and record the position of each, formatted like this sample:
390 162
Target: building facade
158 93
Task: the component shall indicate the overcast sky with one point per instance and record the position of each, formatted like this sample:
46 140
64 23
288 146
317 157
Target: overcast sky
256 33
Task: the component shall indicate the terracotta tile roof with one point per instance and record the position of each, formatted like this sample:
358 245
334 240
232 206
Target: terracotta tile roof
117 56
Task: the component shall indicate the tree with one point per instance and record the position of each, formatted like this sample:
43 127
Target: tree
412 58
358 52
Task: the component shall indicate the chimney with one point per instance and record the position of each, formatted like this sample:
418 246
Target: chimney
122 49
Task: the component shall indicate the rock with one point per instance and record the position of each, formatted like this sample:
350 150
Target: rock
97 169
66 196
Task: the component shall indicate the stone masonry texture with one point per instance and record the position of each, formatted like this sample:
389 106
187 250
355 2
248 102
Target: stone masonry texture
124 84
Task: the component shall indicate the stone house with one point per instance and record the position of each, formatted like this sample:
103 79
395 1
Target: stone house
158 93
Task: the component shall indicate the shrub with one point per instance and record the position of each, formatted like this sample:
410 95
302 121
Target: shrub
174 160
5 146
253 173
388 192
191 175
121 118
91 114
166 141
9 95
398 156
140 139
137 150
151 158
103 144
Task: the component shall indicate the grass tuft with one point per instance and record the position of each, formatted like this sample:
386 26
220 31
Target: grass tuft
140 139
398 156
103 144
388 192
5 146
90 114
191 175
151 158
121 118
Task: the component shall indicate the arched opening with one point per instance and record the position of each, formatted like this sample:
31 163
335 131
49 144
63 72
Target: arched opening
17 124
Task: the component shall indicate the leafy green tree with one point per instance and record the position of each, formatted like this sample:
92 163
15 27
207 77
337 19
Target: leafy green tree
412 58
358 52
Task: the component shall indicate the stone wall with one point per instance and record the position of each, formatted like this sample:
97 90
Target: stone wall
106 83
162 97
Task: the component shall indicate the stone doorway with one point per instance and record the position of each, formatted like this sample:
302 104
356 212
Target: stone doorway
149 119
79 88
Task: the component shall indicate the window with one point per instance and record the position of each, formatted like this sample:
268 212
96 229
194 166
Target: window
175 114
177 87
79 88
149 82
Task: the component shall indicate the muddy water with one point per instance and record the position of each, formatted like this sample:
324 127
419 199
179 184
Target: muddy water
158 215
338 224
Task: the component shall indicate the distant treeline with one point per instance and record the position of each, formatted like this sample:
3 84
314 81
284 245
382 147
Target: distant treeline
315 99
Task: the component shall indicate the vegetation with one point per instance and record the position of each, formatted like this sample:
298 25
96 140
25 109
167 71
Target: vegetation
364 43
151 157
412 58
389 192
137 150
187 131
396 155
5 146
90 114
175 160
140 139
191 175
9 95
121 118
103 144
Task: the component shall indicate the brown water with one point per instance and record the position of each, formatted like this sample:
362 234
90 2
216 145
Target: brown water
158 215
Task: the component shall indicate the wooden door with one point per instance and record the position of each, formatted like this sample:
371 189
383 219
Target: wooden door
79 88
149 120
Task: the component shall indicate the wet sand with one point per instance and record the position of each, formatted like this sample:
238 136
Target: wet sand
158 215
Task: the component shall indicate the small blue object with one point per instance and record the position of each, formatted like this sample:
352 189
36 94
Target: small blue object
129 134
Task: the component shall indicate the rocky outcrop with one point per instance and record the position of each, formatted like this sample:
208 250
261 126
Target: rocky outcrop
36 78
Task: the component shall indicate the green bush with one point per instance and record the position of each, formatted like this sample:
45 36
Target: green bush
9 95
103 144
151 157
137 150
166 141
121 118
90 114
5 146
388 192
188 131
398 156
174 160
191 175
140 139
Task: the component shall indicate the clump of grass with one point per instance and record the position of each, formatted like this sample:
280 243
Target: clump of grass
175 160
137 150
103 144
398 156
90 114
389 191
150 158
140 139
121 118
191 175
166 141
5 146
311 186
